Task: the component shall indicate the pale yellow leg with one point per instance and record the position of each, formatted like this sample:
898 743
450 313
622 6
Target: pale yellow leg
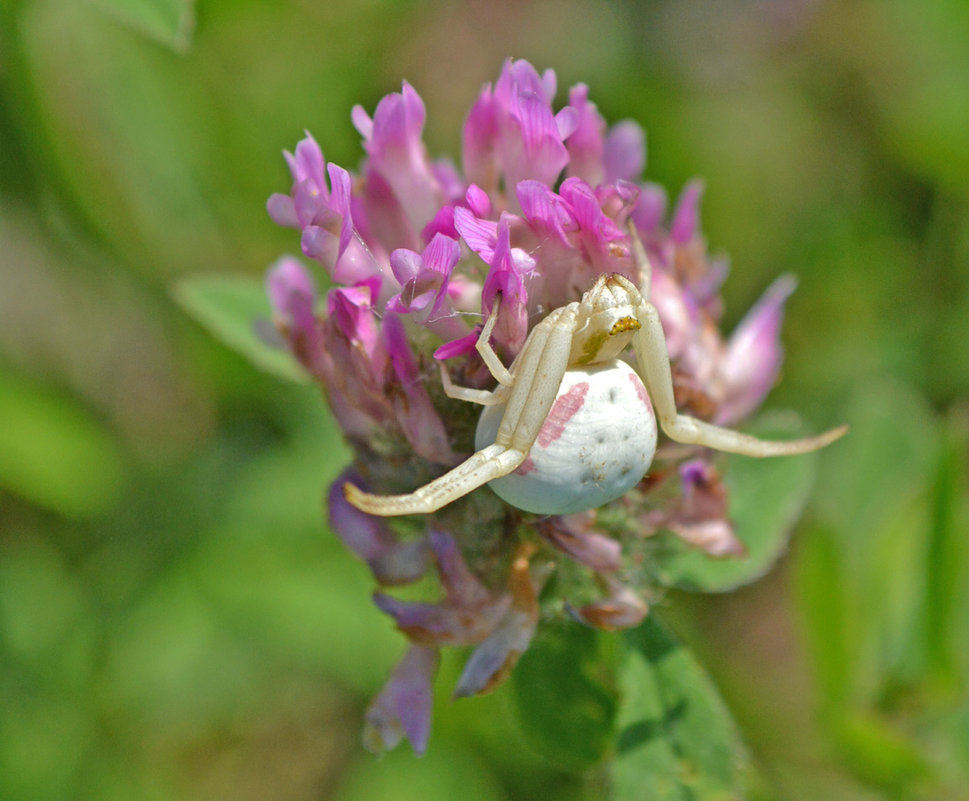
537 377
649 343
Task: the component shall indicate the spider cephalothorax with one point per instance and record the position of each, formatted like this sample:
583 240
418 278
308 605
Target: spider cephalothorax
574 349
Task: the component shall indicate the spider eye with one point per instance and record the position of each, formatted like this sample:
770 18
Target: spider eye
624 324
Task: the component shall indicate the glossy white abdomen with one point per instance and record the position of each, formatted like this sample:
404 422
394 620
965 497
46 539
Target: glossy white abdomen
596 443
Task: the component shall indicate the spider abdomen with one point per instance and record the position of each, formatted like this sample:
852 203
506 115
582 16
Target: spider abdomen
596 443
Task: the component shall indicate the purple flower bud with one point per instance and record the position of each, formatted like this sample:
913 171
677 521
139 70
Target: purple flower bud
307 163
651 208
617 200
393 562
675 312
293 298
282 210
624 152
424 278
463 346
480 140
478 201
507 277
418 419
586 145
443 223
291 290
403 708
467 615
546 211
460 584
603 242
699 518
479 235
530 142
352 310
393 141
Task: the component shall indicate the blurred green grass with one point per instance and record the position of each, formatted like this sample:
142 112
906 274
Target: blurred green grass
176 622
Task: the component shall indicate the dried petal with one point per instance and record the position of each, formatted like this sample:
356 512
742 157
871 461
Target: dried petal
623 608
468 613
493 660
575 535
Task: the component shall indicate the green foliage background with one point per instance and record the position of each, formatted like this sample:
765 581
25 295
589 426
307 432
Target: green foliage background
176 622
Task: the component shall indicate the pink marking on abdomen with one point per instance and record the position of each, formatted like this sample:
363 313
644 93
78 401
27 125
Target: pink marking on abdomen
526 467
640 390
562 410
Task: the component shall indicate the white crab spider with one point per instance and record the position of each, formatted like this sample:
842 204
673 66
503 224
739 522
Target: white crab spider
579 343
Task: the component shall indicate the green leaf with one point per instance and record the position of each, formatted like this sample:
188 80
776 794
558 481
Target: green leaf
944 620
874 595
231 307
446 772
676 739
878 752
171 22
565 706
883 462
53 453
767 497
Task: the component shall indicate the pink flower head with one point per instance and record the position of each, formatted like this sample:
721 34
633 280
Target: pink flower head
419 254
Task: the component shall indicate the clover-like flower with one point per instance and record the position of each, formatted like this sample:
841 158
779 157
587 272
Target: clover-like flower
518 287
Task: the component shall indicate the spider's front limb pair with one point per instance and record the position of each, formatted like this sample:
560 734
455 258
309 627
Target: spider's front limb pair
528 392
652 360
529 389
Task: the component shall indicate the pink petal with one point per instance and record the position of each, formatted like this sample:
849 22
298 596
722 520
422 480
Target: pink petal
686 217
624 152
753 357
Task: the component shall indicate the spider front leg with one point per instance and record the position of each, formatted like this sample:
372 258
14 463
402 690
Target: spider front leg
537 374
498 371
649 343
